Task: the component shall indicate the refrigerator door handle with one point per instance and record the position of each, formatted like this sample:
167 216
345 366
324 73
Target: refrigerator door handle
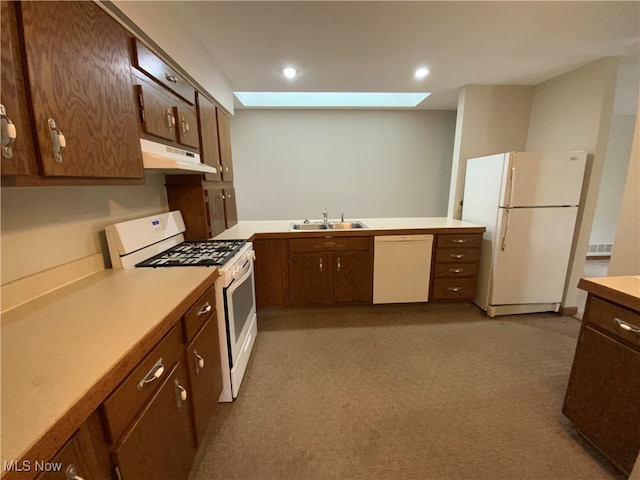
503 244
511 182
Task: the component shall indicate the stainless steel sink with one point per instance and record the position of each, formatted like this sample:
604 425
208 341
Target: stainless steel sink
335 225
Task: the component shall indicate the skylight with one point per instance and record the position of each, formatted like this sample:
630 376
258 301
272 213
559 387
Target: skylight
330 99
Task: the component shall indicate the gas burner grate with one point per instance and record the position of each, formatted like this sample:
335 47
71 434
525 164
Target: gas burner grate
203 253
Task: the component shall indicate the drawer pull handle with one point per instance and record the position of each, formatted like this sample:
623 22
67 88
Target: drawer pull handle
457 255
171 78
181 392
455 270
9 133
320 264
206 308
458 240
454 289
155 373
626 326
72 473
199 361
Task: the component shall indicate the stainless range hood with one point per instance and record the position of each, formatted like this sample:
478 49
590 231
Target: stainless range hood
171 160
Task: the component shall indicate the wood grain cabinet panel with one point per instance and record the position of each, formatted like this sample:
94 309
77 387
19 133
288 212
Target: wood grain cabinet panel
187 125
205 376
209 145
271 273
18 154
80 87
156 112
224 139
230 207
330 270
603 395
159 443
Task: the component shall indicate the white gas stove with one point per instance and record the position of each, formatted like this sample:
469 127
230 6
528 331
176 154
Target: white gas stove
158 242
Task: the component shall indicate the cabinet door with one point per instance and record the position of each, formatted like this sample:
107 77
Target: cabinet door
309 278
230 207
85 455
159 444
16 152
205 375
209 147
603 396
79 79
352 277
224 138
187 124
157 115
216 210
270 272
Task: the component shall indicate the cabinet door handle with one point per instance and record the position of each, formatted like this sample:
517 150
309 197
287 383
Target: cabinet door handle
458 240
199 361
222 196
338 263
455 270
58 142
454 289
72 473
181 392
155 373
206 308
226 168
320 264
627 327
185 126
171 78
457 255
171 120
9 133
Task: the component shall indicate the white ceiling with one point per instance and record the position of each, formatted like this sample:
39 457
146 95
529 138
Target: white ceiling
375 46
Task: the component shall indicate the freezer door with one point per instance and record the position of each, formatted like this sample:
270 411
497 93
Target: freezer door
531 255
543 179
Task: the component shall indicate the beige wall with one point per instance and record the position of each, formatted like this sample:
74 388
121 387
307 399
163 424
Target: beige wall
44 227
625 258
491 119
573 112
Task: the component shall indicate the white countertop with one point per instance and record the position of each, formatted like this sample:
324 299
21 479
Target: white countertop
56 347
246 229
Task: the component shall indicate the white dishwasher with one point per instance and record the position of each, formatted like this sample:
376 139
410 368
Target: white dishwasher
401 268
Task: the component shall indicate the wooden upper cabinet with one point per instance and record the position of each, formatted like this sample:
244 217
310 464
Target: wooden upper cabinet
224 137
156 112
18 154
81 90
230 207
209 146
153 66
187 125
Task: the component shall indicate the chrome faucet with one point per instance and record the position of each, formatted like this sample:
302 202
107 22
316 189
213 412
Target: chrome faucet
325 218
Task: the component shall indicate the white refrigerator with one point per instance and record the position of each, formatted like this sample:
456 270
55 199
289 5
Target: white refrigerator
528 202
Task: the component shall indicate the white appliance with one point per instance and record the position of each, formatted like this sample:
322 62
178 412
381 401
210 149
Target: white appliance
528 202
401 268
158 242
171 160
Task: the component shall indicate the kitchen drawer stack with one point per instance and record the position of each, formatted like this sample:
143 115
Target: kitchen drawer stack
455 266
603 394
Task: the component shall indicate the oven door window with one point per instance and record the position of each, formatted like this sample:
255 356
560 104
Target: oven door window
242 303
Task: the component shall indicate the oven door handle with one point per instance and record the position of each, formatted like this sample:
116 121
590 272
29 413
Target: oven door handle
247 270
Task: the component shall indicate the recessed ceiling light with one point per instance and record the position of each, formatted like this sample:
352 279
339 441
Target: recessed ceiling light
422 72
330 99
289 72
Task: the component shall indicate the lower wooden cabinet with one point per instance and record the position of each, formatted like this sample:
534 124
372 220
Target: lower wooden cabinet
455 266
603 394
271 273
159 444
85 455
330 270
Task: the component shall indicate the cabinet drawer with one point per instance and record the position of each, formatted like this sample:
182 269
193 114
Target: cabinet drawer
149 63
450 288
130 396
457 255
201 311
607 316
329 244
462 240
455 269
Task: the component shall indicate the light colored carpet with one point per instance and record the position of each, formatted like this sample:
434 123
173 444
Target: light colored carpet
408 392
